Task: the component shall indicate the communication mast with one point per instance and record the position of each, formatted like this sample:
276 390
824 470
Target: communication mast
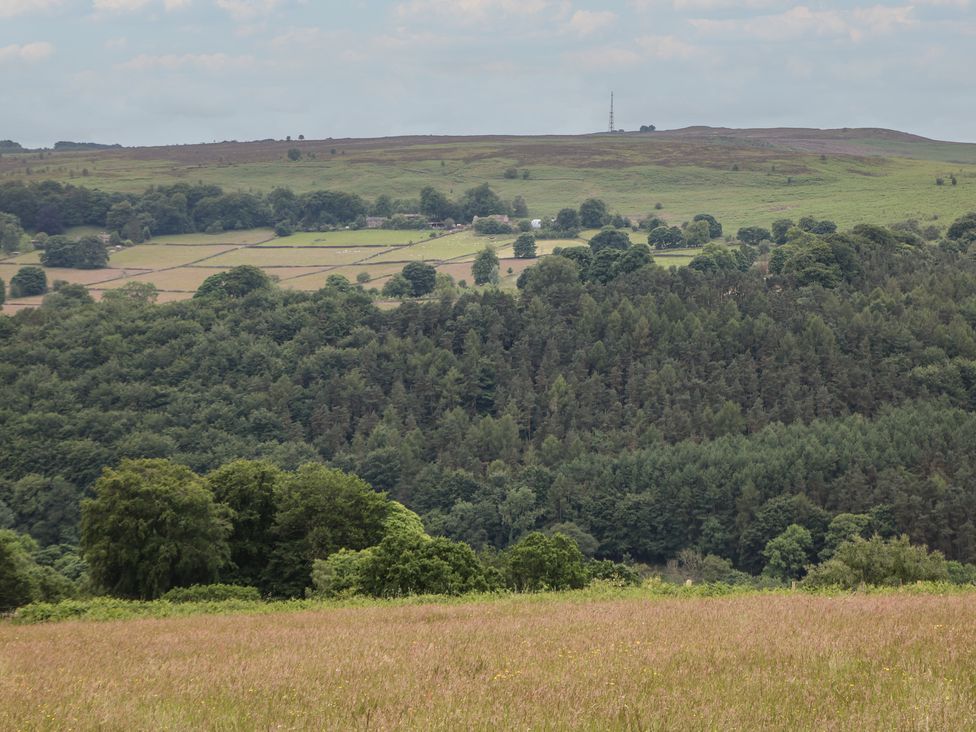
611 112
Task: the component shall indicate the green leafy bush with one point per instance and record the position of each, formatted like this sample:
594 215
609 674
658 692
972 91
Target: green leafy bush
211 593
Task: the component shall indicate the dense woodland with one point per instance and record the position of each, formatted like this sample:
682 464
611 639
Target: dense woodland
710 408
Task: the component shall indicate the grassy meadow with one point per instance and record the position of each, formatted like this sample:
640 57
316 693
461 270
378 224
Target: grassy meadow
741 180
741 177
786 661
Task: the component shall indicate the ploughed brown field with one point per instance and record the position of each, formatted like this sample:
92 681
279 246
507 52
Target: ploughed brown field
754 662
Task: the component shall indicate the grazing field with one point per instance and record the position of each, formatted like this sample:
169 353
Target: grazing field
246 237
454 246
358 238
77 276
155 256
317 280
297 257
743 177
784 662
462 270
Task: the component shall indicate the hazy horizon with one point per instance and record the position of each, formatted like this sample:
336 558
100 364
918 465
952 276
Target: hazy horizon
166 72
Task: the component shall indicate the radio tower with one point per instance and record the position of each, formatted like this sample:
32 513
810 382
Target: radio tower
611 112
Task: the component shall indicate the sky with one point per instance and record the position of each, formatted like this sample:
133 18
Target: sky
155 72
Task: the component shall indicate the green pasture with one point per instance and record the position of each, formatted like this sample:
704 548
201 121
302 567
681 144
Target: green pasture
297 257
631 173
237 238
359 237
453 246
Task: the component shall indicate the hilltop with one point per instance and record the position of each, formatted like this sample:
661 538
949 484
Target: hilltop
743 177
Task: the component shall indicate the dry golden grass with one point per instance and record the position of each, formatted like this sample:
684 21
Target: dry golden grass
462 270
317 280
295 257
159 256
759 662
78 276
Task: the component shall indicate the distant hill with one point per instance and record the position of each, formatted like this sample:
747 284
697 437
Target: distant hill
743 177
65 145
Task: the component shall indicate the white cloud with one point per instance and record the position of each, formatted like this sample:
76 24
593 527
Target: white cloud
245 10
472 11
27 53
645 48
609 57
588 22
802 22
708 5
118 6
298 37
10 8
666 47
174 62
884 18
129 6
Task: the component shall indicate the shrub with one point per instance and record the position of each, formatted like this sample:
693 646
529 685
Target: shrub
211 593
878 561
539 562
617 573
340 574
491 227
415 564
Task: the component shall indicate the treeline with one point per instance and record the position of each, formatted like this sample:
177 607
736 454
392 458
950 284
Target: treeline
50 207
153 527
708 408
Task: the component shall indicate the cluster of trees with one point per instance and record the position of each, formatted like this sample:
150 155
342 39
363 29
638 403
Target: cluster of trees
480 201
152 525
591 214
51 207
702 229
415 280
88 252
708 408
608 255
